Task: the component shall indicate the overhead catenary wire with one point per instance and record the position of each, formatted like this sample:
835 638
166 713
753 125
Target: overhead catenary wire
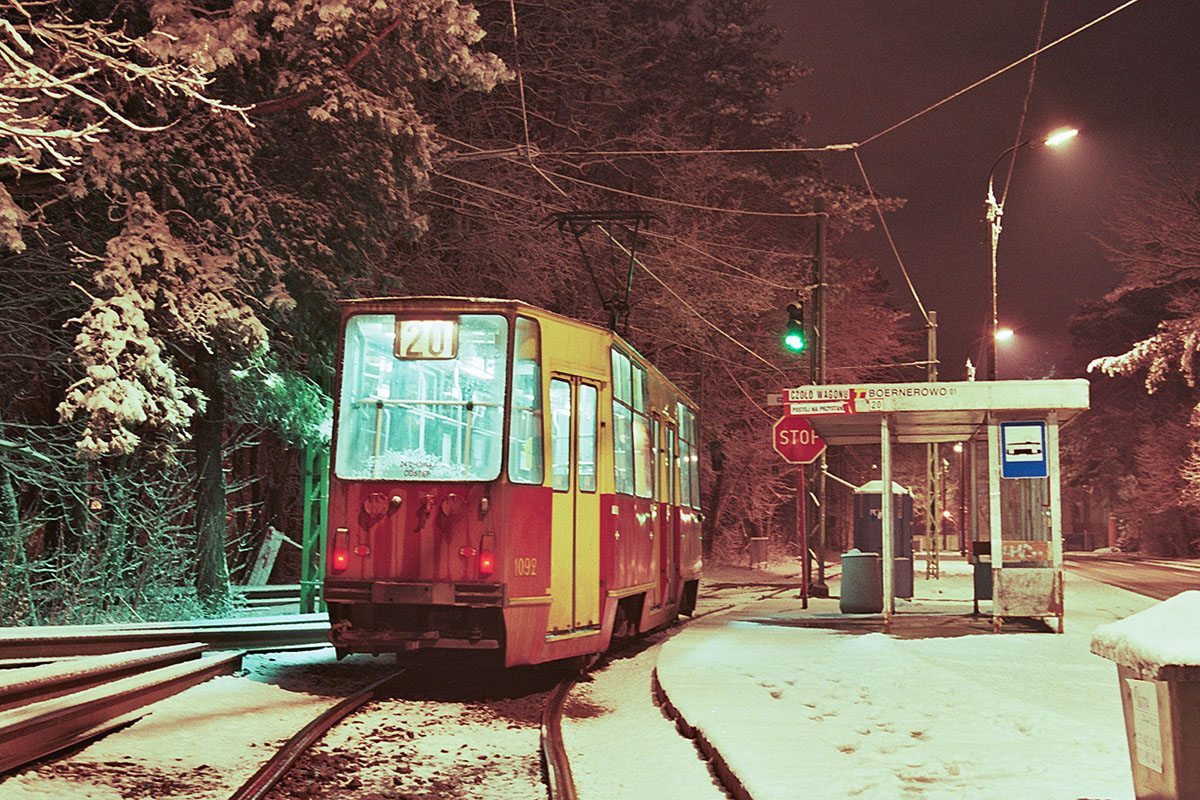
741 388
670 202
895 252
744 273
853 147
637 261
997 73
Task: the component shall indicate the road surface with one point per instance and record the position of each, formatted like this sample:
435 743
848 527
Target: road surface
1159 578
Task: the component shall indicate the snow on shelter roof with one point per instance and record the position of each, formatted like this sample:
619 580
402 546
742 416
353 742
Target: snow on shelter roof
951 411
1162 642
876 487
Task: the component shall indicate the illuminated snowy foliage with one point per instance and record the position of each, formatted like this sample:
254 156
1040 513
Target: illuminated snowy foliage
1158 225
1157 252
129 385
212 225
53 59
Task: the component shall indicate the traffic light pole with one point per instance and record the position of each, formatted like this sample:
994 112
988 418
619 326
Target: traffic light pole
802 525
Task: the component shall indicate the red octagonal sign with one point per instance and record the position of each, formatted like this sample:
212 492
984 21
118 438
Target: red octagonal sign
795 440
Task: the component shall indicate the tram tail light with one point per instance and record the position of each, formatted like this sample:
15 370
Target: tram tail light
339 554
487 555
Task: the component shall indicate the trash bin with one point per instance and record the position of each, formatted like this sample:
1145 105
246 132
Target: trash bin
758 550
1157 653
862 583
983 579
902 577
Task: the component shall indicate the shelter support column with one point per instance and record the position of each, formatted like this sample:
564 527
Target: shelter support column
1056 551
995 533
888 521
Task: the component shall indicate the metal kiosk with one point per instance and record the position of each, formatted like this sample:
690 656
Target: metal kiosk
1011 433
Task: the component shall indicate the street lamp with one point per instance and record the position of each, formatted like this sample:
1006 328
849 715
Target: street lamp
1001 335
995 210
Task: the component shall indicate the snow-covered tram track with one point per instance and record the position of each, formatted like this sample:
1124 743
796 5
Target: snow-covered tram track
271 772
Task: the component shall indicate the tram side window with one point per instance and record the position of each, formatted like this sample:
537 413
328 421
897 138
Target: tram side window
685 477
622 424
672 465
643 434
526 460
689 461
643 450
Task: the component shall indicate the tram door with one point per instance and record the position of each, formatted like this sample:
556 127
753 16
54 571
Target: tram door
575 538
668 527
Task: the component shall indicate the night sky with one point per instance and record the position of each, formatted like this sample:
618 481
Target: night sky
1129 84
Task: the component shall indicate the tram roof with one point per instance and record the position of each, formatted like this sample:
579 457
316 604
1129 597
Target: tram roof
930 412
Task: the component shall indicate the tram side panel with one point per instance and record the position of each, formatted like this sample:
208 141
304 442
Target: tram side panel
522 525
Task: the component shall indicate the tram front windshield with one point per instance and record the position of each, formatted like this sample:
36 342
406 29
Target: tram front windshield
422 399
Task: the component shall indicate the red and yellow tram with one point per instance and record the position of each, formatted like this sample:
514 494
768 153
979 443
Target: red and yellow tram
505 479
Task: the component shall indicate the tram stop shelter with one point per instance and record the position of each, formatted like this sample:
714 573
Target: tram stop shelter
1010 434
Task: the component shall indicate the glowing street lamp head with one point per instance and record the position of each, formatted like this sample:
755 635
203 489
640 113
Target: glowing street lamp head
1060 136
1004 334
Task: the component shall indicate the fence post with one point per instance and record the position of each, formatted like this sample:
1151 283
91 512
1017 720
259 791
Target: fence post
312 546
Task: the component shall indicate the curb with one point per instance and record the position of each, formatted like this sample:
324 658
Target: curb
725 775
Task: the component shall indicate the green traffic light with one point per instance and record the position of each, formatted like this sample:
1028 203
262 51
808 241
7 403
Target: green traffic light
794 338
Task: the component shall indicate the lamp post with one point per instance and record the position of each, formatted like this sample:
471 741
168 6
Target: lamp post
995 210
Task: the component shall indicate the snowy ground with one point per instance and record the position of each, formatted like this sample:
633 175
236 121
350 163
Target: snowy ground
435 743
795 711
630 749
806 712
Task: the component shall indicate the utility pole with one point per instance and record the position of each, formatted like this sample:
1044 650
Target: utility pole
819 353
933 466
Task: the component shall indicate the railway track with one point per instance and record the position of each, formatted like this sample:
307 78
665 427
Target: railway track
255 634
559 778
277 766
46 696
65 684
52 706
558 764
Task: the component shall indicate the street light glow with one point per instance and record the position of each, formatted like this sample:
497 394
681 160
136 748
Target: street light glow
1059 136
1004 334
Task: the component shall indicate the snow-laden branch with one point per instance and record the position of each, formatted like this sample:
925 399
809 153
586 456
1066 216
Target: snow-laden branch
57 79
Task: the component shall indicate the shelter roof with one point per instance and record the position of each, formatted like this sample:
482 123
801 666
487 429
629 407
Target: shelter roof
930 412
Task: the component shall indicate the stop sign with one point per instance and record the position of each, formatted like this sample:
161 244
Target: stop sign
795 440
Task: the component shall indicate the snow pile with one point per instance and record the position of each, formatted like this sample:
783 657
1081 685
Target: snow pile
1167 634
